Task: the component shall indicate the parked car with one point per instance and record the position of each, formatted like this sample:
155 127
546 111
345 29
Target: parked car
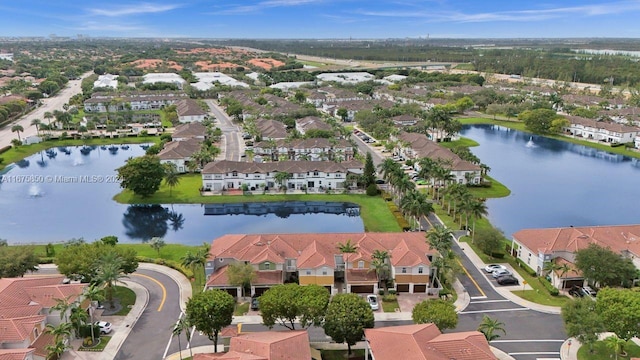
507 280
255 305
493 267
380 181
500 272
373 302
588 291
105 327
422 182
576 291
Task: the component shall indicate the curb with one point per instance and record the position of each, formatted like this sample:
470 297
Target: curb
176 276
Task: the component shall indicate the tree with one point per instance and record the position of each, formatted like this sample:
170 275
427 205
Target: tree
369 173
616 344
380 263
78 318
347 317
55 350
110 240
490 326
17 261
440 312
347 248
287 303
80 260
619 309
190 260
490 240
48 115
109 272
63 306
210 311
439 238
342 114
60 332
157 243
201 257
181 326
93 293
241 274
17 129
171 177
36 123
603 266
477 209
142 175
538 120
281 179
582 321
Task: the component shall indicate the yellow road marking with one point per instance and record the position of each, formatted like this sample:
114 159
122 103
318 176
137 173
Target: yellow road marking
470 278
164 290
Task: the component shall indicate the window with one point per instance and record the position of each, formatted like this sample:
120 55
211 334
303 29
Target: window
404 270
235 173
267 265
315 173
420 270
35 333
308 272
324 271
360 264
246 175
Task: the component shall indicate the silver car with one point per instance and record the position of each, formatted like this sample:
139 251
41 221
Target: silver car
373 302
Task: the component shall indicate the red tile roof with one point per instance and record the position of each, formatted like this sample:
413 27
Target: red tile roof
273 345
19 291
15 354
20 311
424 147
425 341
619 238
41 343
19 329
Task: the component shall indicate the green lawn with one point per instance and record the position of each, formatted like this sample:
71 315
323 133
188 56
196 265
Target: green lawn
17 154
127 298
465 142
104 340
541 297
241 309
374 212
390 306
497 190
601 351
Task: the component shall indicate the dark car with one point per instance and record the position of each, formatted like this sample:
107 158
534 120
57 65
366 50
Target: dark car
507 280
254 303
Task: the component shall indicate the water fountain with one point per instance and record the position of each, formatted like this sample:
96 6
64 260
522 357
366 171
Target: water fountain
530 143
78 162
35 191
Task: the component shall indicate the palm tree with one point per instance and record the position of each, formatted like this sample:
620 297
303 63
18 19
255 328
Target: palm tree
477 210
55 351
490 326
380 263
388 167
59 332
171 177
183 325
48 115
93 293
190 260
616 344
439 238
202 256
109 272
347 248
281 179
563 270
416 205
36 123
63 305
17 129
177 331
78 318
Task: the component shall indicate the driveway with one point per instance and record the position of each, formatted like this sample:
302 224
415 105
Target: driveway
233 146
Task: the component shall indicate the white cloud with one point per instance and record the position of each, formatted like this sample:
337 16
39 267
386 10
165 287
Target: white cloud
517 15
98 26
142 8
265 5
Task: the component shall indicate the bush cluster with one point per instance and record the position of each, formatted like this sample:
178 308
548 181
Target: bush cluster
526 268
550 288
399 217
170 263
390 298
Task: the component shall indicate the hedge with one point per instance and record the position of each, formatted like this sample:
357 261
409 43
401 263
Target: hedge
170 263
5 149
526 268
552 289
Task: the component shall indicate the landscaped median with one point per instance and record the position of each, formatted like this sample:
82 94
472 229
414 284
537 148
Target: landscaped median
375 214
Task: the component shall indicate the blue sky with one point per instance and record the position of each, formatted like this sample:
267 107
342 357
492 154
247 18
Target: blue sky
321 18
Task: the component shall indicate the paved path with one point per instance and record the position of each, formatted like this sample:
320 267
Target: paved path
50 104
232 147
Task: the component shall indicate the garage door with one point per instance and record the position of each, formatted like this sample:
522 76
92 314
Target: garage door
261 290
570 283
233 291
402 288
419 288
362 289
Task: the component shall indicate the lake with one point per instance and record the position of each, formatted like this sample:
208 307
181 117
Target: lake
67 192
555 183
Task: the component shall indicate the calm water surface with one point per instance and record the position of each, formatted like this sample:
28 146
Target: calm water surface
555 183
67 193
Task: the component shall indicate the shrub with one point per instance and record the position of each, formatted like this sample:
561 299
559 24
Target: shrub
165 137
498 255
526 268
550 288
392 291
5 149
85 332
380 291
390 298
372 190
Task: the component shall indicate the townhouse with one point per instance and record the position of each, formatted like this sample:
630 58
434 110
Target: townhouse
187 131
312 176
139 100
609 132
179 153
316 259
417 146
535 247
271 129
265 345
189 111
311 123
25 310
425 341
315 149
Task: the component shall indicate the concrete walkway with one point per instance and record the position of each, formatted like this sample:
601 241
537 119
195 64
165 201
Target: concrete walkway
569 349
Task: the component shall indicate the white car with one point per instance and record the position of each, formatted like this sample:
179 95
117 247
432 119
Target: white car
373 302
105 327
493 267
500 272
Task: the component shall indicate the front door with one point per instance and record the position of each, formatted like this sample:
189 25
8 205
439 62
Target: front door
311 184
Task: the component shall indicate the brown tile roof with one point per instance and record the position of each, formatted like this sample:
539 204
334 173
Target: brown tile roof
312 122
316 250
271 129
189 107
273 345
292 167
180 149
15 354
47 295
425 341
610 126
19 329
231 355
427 148
619 238
41 344
13 290
189 130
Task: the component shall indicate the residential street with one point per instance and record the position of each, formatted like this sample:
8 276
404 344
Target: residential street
232 149
50 104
